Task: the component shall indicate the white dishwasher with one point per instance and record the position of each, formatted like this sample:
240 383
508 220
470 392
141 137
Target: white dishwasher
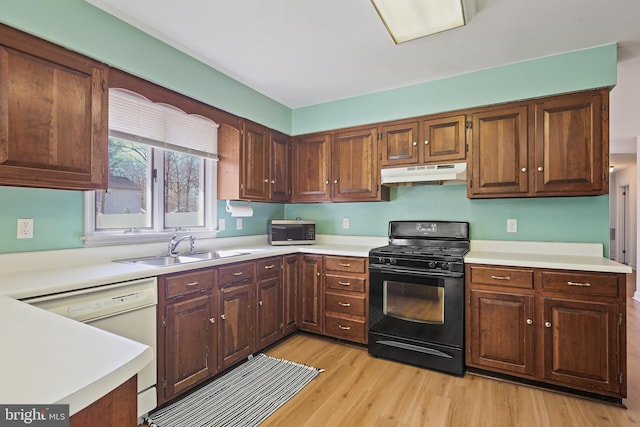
127 309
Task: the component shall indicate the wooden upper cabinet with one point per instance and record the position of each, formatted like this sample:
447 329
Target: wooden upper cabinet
255 162
53 115
354 166
399 144
499 152
570 144
280 182
311 168
444 139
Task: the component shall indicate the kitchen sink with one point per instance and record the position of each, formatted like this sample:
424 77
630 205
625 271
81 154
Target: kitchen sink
167 260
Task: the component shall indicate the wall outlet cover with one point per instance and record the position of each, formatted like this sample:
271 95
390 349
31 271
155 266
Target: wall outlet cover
25 228
512 225
238 223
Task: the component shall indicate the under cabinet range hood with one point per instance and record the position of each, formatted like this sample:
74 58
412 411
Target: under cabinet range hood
450 173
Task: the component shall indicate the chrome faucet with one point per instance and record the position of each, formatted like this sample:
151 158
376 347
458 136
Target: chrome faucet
173 244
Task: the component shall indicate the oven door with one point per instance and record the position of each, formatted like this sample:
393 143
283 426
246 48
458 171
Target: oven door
425 307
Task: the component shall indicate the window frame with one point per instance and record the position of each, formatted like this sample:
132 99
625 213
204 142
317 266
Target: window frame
158 94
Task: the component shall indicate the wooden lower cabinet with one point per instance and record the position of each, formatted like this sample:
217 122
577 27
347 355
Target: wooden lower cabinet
565 328
269 325
291 274
236 333
187 331
116 408
310 293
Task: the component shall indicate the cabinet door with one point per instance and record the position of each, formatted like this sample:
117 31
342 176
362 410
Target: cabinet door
290 293
444 140
279 188
499 153
354 165
310 307
502 332
581 344
53 115
399 144
312 154
236 324
268 311
190 343
569 145
255 162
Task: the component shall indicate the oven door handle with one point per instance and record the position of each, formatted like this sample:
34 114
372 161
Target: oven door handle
385 269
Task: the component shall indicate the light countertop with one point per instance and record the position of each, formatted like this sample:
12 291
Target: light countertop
49 359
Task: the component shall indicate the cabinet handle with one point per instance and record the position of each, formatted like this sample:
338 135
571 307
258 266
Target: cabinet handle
212 320
344 328
415 143
269 267
344 265
583 285
344 304
501 277
426 142
523 169
192 283
540 168
344 283
529 322
223 316
327 182
335 181
318 274
260 303
547 324
238 273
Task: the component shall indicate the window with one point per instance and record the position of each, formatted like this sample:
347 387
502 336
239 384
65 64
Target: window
162 168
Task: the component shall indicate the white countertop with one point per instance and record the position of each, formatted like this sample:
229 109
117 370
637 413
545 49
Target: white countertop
556 255
49 359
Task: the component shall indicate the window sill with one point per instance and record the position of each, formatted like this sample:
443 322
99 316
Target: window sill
121 238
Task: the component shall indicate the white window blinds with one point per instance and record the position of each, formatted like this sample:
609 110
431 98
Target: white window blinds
134 117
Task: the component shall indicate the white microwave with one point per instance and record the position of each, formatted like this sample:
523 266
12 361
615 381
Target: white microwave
291 232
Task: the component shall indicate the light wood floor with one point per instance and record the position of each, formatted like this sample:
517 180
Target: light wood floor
359 390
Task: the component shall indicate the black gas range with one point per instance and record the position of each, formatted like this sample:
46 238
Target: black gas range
416 308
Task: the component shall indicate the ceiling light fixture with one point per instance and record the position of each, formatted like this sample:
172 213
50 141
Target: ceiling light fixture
411 19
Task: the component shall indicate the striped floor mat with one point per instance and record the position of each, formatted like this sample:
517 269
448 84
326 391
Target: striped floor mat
245 396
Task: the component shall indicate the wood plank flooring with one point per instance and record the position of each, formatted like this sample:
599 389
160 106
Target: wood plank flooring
359 390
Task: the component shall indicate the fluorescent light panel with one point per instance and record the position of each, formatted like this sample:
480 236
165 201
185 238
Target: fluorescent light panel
411 19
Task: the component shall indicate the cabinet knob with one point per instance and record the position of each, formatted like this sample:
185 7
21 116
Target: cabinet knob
260 303
335 181
523 169
426 142
540 168
266 180
212 320
318 274
415 143
223 316
529 322
547 324
273 181
327 182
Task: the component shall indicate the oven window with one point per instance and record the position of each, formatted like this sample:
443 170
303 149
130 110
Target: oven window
415 303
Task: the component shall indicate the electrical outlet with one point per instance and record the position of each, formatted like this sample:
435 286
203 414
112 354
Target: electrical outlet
238 223
25 228
512 225
345 223
221 224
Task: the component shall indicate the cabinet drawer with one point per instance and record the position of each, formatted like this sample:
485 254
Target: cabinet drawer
269 266
234 273
512 277
581 283
353 265
345 283
348 329
186 283
345 304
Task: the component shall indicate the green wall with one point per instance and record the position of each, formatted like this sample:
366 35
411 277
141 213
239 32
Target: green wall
75 24
564 219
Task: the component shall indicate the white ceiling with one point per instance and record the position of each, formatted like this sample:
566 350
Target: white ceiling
303 52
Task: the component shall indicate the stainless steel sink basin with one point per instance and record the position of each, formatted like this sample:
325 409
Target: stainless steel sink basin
166 260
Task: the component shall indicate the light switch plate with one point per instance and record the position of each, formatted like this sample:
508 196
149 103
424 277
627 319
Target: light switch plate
221 224
238 223
345 223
